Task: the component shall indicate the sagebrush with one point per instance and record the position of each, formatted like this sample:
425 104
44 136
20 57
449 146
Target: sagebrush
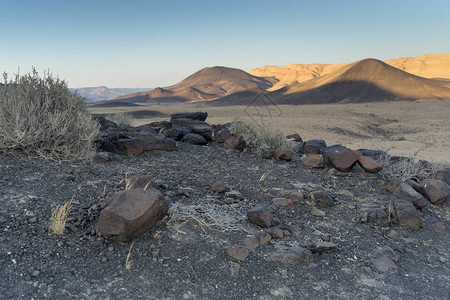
121 119
41 116
407 168
257 138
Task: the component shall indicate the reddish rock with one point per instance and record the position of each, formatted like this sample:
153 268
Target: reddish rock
314 146
275 232
131 213
406 214
221 135
131 146
313 160
256 240
194 138
341 158
234 142
392 185
293 195
292 255
201 116
406 192
238 252
283 202
282 154
260 216
217 187
443 175
369 164
436 191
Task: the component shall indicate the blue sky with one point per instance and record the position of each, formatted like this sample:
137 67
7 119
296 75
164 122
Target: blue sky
158 43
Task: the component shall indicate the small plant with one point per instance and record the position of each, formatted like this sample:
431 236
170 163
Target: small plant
59 218
41 116
128 262
407 168
257 138
121 119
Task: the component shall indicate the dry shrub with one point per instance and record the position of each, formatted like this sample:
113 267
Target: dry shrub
219 217
41 116
258 138
121 119
407 168
59 218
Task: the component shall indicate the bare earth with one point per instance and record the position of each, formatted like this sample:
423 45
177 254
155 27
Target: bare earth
419 129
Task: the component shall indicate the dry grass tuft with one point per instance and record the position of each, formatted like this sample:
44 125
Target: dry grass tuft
121 119
128 262
258 138
59 218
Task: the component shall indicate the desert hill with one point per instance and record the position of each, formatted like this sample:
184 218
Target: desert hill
362 81
206 84
428 66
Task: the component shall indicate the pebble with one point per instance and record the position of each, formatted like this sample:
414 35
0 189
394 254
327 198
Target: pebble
36 273
317 212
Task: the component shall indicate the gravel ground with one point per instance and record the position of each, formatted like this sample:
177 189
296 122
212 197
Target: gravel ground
188 261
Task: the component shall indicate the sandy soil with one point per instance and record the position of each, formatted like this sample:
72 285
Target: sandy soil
419 129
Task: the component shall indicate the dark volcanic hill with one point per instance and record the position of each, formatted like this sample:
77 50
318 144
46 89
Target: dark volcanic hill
204 85
362 81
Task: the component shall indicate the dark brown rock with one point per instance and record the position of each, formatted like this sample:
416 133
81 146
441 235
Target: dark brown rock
275 232
436 191
283 202
201 116
369 164
406 214
176 132
260 216
282 154
152 141
292 255
217 187
194 138
406 192
443 175
322 247
197 126
293 195
238 252
341 158
131 213
130 146
234 142
314 146
313 160
384 265
322 198
104 123
221 135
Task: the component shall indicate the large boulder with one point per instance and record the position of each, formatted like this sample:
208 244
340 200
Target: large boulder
195 139
130 146
314 146
131 213
176 132
406 192
436 191
197 126
153 141
201 116
339 157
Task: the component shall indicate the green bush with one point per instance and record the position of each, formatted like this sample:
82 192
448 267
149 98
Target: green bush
258 138
40 116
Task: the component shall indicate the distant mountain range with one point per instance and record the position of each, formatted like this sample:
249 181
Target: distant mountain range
98 93
424 77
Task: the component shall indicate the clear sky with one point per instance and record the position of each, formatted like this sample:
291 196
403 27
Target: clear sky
157 43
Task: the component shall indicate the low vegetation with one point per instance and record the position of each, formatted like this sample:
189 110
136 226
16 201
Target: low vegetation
41 116
257 138
121 119
407 168
59 216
